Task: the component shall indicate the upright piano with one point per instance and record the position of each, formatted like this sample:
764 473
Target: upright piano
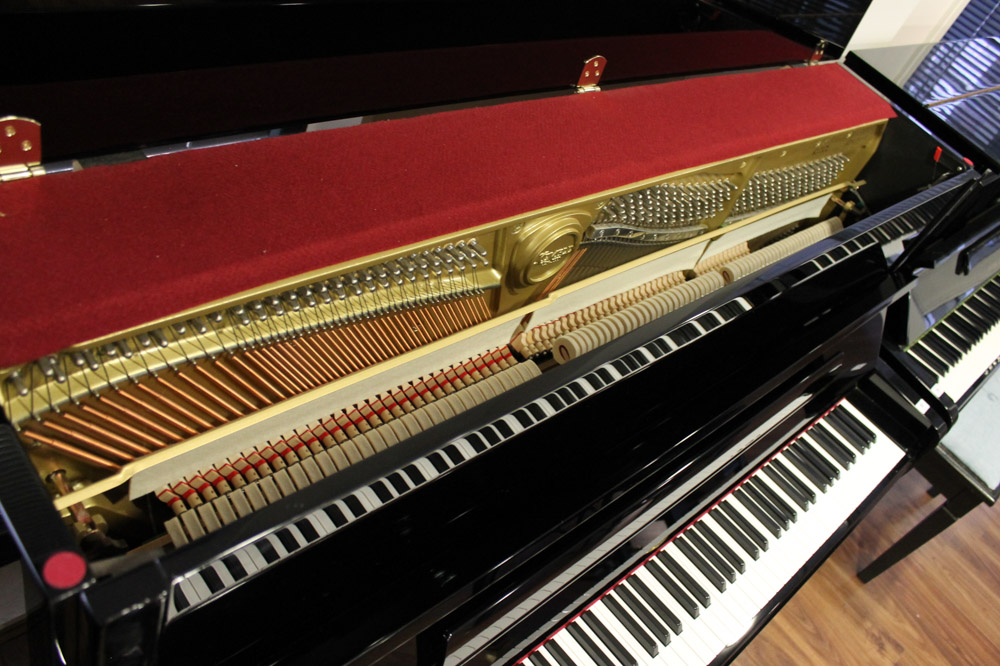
593 375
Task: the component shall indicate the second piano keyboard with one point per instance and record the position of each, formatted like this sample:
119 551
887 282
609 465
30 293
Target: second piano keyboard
700 592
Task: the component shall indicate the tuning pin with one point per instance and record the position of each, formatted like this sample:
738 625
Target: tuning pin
144 341
158 337
49 366
323 292
92 361
198 325
257 307
480 250
18 382
275 304
292 299
240 313
215 316
125 349
306 295
338 288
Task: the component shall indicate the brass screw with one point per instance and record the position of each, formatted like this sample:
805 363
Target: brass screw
25 145
10 130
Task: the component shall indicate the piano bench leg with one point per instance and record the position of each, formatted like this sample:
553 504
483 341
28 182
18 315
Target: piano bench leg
937 522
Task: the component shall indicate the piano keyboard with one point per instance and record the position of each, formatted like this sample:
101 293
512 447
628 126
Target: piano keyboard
700 592
962 346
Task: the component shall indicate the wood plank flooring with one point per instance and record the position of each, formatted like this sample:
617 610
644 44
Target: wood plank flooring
939 606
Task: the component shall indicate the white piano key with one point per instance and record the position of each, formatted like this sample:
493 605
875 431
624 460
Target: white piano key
199 586
249 564
701 641
193 595
573 649
223 573
623 635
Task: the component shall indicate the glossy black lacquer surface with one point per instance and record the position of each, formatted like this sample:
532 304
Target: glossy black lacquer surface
950 87
375 584
117 75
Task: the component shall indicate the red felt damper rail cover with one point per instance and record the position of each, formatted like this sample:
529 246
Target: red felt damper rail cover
89 253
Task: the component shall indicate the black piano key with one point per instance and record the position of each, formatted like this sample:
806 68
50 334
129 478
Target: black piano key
267 551
809 455
336 515
816 458
655 604
234 567
731 310
832 446
212 580
983 309
503 429
706 569
797 483
806 468
398 482
307 530
684 334
454 454
924 374
662 345
577 390
977 323
648 620
536 412
288 540
960 326
621 366
707 321
611 643
762 516
742 525
675 591
929 358
415 475
354 504
440 464
645 641
706 551
775 500
588 645
748 546
721 547
567 396
838 253
836 421
780 481
605 375
490 435
990 300
685 579
381 491
537 659
639 358
852 245
180 600
654 349
555 402
523 418
824 261
941 347
854 424
559 654
952 336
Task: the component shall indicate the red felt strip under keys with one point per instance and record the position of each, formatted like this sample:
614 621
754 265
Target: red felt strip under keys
93 252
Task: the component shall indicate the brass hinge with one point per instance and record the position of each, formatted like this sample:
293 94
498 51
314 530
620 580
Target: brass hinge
591 74
20 148
817 53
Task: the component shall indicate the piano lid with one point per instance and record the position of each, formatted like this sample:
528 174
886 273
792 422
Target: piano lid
951 87
116 75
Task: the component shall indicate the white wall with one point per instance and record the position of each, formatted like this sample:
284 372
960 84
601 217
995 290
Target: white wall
896 22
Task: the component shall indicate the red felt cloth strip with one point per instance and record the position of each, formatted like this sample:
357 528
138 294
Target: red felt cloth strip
86 254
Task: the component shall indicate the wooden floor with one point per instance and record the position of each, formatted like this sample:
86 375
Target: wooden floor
939 606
